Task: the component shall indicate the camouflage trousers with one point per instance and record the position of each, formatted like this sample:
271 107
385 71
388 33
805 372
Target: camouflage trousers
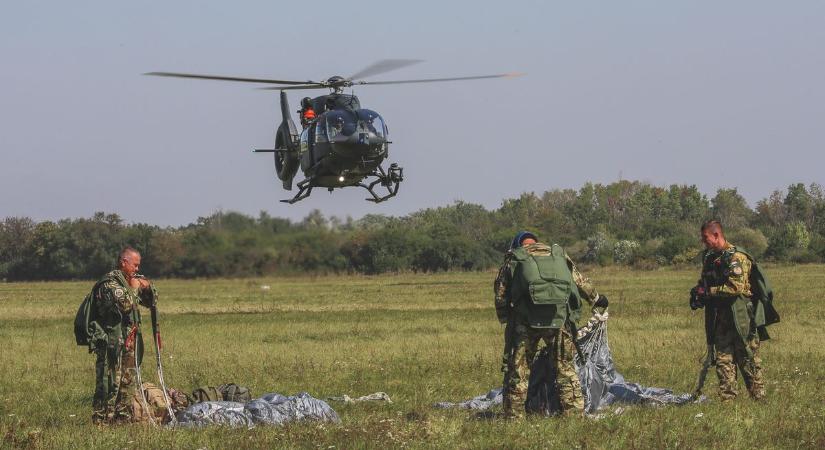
732 353
114 375
521 347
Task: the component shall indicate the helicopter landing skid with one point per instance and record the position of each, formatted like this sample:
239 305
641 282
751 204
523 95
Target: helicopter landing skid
304 189
390 180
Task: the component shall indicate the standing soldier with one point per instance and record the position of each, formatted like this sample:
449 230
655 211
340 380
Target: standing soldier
735 318
538 293
115 335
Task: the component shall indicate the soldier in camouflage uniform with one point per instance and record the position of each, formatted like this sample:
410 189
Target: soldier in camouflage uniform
116 339
724 290
521 338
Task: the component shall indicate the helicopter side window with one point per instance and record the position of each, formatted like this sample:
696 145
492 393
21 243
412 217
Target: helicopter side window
321 133
304 141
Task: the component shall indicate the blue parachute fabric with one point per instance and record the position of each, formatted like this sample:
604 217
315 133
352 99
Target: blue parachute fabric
231 414
481 403
601 384
269 409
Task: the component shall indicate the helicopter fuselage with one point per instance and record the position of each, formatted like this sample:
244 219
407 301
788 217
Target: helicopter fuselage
340 147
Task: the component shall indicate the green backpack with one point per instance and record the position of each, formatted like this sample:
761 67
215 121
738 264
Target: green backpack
233 393
543 288
206 394
230 392
85 330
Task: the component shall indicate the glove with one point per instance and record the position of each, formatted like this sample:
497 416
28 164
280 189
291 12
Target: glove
601 302
502 310
697 298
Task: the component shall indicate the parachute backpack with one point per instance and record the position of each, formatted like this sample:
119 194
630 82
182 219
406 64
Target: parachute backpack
87 331
543 288
762 299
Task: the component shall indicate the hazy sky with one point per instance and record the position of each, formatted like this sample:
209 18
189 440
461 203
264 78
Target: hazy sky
717 94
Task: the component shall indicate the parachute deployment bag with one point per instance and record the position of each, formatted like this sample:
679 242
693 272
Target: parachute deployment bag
155 401
543 287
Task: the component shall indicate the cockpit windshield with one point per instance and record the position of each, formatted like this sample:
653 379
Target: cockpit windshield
342 123
371 121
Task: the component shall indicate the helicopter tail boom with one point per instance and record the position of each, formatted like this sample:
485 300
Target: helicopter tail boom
286 146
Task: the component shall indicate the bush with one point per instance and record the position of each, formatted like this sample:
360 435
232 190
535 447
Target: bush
624 251
676 248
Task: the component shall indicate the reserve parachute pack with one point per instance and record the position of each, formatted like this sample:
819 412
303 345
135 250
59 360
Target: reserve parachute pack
543 288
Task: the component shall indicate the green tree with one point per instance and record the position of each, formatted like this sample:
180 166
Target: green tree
731 209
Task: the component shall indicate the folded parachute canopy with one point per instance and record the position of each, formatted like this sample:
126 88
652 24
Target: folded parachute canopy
270 409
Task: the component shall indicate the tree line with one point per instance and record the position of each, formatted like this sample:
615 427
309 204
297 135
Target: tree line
625 223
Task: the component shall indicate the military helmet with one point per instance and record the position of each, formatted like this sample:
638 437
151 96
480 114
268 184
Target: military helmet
520 237
306 102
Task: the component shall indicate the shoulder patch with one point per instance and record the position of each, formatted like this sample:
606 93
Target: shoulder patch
119 292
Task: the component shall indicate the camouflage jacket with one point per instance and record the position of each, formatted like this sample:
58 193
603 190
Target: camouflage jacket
726 279
116 302
503 281
726 273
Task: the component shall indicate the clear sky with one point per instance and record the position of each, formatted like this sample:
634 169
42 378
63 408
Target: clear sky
717 94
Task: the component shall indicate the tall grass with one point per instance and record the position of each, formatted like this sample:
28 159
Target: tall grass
421 339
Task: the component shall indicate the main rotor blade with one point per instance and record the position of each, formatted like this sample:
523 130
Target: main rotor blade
436 80
291 88
223 78
384 65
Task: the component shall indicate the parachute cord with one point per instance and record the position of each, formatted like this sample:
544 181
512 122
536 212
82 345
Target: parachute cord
591 324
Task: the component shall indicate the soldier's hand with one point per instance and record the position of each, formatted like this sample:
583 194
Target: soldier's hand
134 283
144 283
601 302
697 298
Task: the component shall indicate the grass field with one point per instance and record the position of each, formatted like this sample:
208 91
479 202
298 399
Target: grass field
421 339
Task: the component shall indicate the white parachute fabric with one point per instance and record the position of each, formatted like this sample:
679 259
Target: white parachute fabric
270 409
601 384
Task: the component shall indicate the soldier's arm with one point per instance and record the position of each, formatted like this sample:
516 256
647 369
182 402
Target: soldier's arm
586 289
148 296
501 289
737 282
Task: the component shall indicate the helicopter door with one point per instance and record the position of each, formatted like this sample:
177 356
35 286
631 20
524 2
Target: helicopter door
321 147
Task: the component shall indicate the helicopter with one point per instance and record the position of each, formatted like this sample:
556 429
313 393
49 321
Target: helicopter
344 144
